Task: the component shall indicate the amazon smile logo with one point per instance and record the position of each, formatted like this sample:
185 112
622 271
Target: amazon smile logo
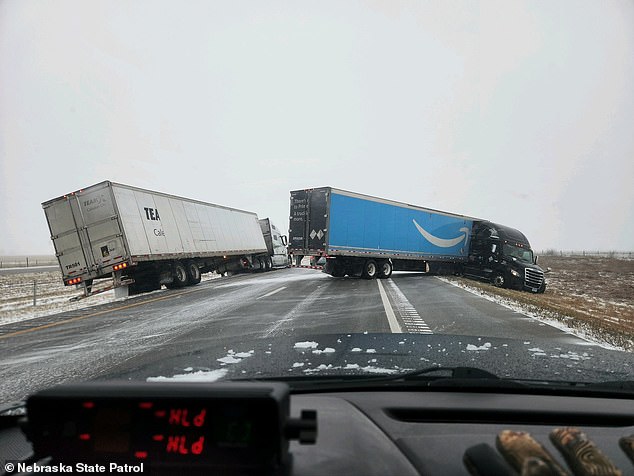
442 242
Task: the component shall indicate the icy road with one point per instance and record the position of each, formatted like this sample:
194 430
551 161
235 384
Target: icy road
116 338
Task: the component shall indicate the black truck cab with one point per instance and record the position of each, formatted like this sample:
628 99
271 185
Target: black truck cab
503 256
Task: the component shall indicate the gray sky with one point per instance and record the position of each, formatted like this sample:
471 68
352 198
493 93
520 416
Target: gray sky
518 112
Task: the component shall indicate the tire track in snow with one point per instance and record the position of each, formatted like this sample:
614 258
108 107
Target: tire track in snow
298 310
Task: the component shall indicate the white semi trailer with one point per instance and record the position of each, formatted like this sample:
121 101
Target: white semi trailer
144 239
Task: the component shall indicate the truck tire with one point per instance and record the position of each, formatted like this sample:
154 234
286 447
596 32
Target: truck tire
385 269
193 273
268 264
179 275
499 280
542 288
259 265
370 269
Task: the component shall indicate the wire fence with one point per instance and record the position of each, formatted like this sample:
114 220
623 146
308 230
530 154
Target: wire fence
27 261
595 254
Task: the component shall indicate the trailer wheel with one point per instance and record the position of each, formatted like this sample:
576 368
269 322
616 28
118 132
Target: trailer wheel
385 269
268 264
193 273
499 281
179 275
370 269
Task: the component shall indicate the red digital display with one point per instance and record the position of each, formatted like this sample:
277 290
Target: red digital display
163 430
183 445
182 417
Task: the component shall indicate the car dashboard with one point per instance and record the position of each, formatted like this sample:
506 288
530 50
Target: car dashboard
265 429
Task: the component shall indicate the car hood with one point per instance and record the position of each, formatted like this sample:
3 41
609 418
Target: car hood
385 354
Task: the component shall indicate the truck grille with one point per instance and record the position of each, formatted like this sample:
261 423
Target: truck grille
533 277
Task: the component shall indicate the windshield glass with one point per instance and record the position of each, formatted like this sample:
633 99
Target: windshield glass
231 190
522 254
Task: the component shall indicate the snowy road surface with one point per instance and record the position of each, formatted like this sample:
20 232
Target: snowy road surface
115 338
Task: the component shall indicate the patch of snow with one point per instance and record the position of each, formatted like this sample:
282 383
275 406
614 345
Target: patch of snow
355 349
306 345
378 370
485 346
229 359
200 376
370 351
298 364
327 350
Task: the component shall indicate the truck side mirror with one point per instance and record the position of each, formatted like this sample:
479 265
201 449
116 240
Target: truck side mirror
284 240
536 259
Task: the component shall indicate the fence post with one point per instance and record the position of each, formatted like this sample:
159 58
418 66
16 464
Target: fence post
35 292
27 261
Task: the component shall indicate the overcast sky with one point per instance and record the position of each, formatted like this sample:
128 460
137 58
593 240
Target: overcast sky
518 112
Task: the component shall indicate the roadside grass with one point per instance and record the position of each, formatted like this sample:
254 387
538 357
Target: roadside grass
590 295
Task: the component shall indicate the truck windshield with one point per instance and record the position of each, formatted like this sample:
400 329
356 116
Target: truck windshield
522 254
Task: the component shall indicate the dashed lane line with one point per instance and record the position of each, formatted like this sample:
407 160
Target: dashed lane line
407 312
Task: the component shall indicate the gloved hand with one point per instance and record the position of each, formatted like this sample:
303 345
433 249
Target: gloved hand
525 456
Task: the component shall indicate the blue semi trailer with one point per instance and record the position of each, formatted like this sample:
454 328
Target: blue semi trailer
365 236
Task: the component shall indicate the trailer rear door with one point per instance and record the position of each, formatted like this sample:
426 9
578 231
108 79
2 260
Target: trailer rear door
309 220
86 232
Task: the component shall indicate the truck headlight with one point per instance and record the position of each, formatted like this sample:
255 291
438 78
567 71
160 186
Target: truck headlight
515 273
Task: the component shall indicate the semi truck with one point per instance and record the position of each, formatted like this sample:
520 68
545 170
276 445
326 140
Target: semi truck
361 235
145 239
276 244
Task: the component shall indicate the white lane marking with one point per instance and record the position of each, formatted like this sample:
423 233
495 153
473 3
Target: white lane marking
408 313
391 318
272 292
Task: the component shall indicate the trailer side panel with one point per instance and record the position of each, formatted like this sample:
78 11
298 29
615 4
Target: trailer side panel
359 225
